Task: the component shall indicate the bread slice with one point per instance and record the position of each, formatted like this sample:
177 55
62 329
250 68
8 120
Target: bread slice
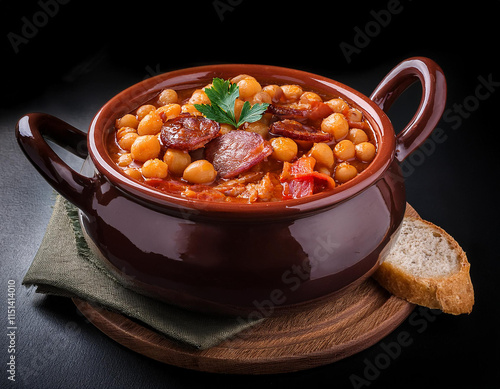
427 267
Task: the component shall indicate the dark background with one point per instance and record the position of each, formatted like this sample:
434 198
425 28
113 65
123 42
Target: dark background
84 52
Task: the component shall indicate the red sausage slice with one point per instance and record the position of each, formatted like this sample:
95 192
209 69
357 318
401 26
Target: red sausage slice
295 130
187 132
317 110
236 152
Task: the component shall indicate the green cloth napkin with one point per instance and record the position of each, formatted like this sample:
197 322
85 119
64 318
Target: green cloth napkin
65 266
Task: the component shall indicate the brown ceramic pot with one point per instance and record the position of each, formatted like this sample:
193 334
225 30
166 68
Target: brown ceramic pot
231 257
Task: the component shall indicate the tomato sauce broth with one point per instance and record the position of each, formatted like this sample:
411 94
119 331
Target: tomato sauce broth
324 143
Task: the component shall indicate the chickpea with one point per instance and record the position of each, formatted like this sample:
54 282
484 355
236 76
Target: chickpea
354 115
344 150
357 136
154 168
323 155
150 125
345 172
125 160
177 160
274 91
248 87
134 173
284 149
324 170
200 172
238 106
299 105
199 97
261 97
127 140
145 147
127 120
143 110
240 77
190 109
169 111
225 128
335 124
124 130
308 97
168 96
258 127
337 105
365 151
292 92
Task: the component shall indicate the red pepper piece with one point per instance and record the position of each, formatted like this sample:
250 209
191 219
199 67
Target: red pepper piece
300 180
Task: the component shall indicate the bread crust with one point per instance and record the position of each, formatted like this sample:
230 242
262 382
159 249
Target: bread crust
452 294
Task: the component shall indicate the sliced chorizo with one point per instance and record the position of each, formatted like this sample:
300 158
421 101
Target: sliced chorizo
236 152
295 130
317 110
186 132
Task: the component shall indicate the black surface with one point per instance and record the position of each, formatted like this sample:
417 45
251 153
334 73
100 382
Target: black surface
85 53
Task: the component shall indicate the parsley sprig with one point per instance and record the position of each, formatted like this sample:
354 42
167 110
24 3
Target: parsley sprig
223 95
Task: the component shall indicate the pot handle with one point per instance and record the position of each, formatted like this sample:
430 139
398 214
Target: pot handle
30 132
431 105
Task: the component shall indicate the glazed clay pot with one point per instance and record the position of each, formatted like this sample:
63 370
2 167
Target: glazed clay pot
232 257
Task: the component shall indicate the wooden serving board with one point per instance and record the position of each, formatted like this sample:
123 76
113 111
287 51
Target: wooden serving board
311 335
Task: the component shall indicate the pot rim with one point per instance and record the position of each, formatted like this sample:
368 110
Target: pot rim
191 77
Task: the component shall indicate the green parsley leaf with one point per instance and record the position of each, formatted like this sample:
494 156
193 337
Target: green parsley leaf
251 113
214 112
223 95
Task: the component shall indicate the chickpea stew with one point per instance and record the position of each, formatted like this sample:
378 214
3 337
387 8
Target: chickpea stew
283 142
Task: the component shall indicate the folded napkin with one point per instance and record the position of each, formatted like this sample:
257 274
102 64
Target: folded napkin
65 266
